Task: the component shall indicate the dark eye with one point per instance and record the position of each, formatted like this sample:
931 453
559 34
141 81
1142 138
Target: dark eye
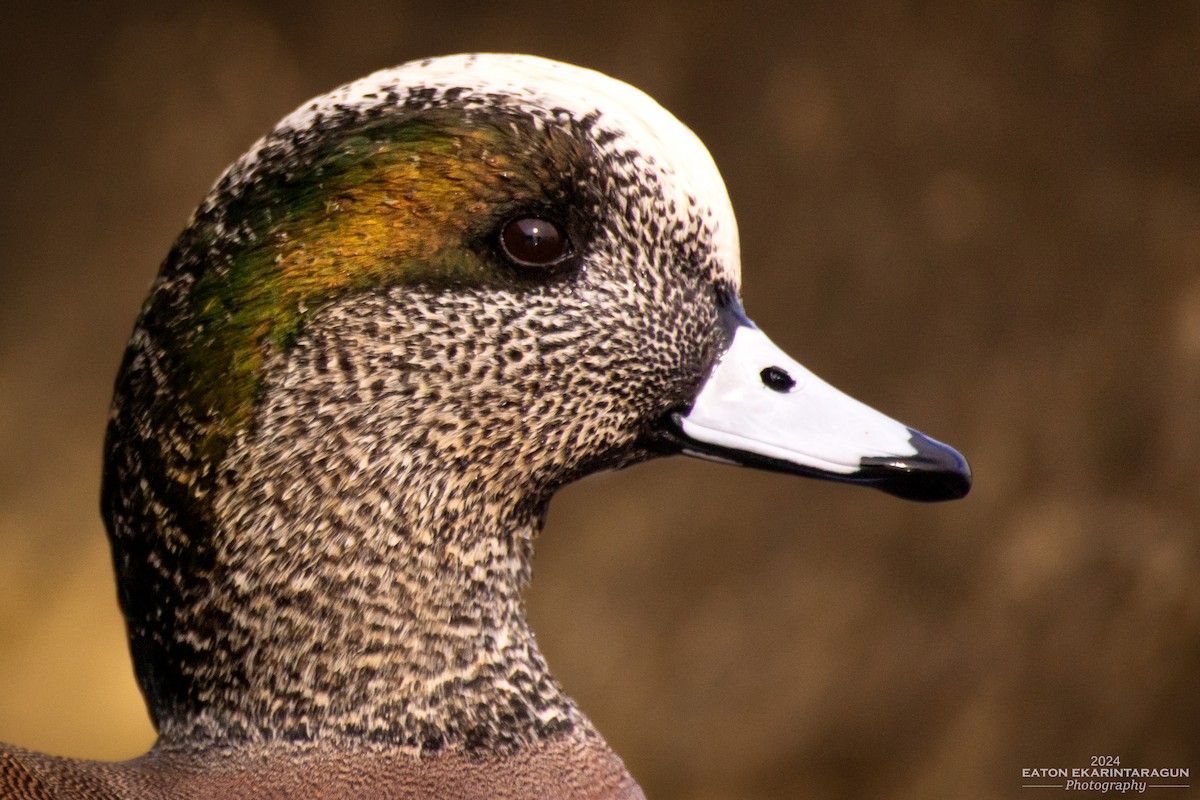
534 242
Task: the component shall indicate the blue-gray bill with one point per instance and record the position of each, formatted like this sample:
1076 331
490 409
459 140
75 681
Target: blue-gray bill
760 408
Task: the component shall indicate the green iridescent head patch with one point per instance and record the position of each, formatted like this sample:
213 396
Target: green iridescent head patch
408 203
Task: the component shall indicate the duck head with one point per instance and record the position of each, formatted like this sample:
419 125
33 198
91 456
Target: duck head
394 327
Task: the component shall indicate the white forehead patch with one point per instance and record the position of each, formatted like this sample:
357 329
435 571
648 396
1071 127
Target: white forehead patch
540 85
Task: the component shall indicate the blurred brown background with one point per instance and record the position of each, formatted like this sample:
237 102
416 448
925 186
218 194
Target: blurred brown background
982 218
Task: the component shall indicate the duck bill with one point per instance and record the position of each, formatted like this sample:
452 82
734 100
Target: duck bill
759 408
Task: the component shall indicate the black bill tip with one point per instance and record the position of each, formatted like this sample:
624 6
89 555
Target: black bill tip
936 472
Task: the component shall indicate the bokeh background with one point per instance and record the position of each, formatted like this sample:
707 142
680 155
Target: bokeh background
983 218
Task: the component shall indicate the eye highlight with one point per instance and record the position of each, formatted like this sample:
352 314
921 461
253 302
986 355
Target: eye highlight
531 241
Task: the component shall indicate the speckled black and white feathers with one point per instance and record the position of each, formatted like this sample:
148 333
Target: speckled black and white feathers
338 553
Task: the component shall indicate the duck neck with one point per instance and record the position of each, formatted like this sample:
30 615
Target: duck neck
388 619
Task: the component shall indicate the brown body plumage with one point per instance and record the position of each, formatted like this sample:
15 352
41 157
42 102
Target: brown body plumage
568 768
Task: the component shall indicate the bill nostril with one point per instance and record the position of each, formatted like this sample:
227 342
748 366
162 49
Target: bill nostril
777 379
